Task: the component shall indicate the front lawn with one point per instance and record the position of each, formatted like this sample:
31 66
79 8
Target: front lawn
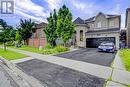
11 55
46 51
125 56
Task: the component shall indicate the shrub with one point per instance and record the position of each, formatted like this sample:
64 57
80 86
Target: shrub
61 48
49 51
48 46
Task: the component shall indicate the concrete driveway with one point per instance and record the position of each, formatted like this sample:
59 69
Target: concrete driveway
53 75
90 55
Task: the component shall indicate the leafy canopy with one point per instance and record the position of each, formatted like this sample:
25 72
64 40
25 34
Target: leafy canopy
50 30
26 28
65 26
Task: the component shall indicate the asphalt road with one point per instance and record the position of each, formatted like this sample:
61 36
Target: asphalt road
90 55
53 75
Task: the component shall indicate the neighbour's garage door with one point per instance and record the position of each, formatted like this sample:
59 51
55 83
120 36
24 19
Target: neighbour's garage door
95 42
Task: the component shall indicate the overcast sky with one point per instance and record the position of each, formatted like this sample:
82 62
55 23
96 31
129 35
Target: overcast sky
39 10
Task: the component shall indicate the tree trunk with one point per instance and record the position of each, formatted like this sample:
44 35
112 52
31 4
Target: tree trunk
54 43
4 46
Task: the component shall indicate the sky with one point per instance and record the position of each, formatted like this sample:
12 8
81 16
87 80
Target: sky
39 10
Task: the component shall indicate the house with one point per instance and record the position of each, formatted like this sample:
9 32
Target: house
123 36
127 25
38 38
93 31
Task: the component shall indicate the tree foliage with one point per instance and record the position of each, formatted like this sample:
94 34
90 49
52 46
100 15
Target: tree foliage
5 33
18 39
26 28
50 30
65 26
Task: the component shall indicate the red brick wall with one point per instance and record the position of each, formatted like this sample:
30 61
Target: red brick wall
37 42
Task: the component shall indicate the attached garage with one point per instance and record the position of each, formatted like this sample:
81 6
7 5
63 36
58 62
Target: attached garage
95 42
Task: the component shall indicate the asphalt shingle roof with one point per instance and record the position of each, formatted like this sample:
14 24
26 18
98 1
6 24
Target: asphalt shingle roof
79 21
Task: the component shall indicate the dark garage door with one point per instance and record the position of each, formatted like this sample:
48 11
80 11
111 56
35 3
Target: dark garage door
95 42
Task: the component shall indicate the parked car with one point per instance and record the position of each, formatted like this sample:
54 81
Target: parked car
107 47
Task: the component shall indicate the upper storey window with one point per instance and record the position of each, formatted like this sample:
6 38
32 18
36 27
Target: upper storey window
112 23
99 24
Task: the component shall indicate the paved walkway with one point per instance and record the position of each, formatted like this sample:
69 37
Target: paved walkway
117 74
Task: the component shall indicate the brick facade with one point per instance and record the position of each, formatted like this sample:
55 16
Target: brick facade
37 42
38 38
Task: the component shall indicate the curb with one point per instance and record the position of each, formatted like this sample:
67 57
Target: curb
117 64
22 78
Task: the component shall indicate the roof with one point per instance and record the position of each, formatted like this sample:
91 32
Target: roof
106 15
90 19
105 30
79 21
41 25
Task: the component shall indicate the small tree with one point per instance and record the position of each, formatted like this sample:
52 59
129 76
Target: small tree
18 39
5 32
50 30
65 26
26 28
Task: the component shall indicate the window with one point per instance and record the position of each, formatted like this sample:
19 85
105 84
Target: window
99 25
112 23
81 35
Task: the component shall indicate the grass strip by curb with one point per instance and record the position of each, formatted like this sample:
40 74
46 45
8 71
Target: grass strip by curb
125 57
11 55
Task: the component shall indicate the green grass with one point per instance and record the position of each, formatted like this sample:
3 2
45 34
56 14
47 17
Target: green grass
27 48
11 55
125 57
128 86
45 51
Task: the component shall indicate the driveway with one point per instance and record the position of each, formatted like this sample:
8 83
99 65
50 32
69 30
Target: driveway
90 55
53 75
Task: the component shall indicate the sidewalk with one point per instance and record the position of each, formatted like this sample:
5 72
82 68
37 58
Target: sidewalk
119 72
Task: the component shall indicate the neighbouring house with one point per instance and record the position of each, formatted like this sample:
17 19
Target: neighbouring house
123 36
38 38
127 25
93 31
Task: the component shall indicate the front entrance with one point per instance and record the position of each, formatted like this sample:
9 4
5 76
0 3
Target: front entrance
95 42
